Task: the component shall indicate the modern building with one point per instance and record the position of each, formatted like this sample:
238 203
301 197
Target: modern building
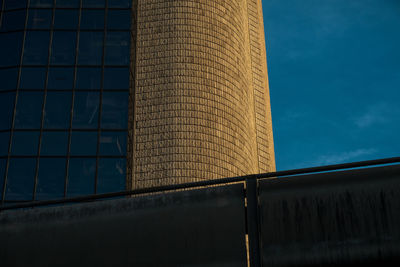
105 95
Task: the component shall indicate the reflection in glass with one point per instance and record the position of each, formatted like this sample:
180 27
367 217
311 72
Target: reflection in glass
81 176
36 47
8 78
41 3
54 143
32 78
86 110
3 163
119 19
29 110
57 110
120 3
92 19
114 110
113 143
88 78
68 3
63 48
4 139
66 19
90 48
13 4
39 18
20 180
6 109
61 78
13 20
116 78
84 143
25 143
51 178
111 175
10 52
117 48
93 3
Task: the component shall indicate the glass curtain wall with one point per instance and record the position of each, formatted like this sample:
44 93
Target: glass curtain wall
64 92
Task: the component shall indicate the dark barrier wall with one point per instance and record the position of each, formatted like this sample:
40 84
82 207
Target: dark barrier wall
191 228
342 218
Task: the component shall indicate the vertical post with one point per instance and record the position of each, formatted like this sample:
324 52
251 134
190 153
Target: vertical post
253 222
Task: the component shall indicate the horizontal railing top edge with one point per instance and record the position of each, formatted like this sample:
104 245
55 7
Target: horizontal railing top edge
160 189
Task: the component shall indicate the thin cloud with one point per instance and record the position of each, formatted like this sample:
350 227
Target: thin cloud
376 114
344 157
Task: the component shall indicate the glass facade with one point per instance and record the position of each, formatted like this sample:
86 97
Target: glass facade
64 93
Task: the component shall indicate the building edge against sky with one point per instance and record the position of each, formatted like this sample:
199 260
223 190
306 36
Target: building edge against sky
201 97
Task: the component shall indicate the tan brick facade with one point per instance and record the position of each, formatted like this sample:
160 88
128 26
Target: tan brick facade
200 103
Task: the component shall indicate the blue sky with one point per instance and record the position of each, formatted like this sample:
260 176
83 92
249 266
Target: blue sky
334 75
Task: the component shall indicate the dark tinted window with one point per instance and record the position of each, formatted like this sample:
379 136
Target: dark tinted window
36 47
83 143
120 3
61 78
93 3
63 48
117 48
86 110
12 4
88 78
54 143
29 110
113 143
6 109
115 110
3 163
112 175
81 176
68 3
32 78
51 178
116 78
13 20
66 19
57 110
10 48
8 78
92 19
39 18
4 140
25 143
41 3
119 19
20 180
90 48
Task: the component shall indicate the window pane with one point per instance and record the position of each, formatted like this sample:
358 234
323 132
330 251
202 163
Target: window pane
13 4
57 110
6 110
21 176
29 110
114 110
36 48
116 78
90 48
41 3
51 178
8 78
86 108
93 3
54 143
63 48
120 3
119 19
112 175
68 3
25 143
32 78
39 18
10 48
117 48
81 176
88 78
4 139
61 78
66 19
13 20
113 143
92 19
83 143
3 163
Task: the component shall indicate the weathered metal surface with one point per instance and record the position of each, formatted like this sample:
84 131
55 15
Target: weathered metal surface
342 218
203 227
